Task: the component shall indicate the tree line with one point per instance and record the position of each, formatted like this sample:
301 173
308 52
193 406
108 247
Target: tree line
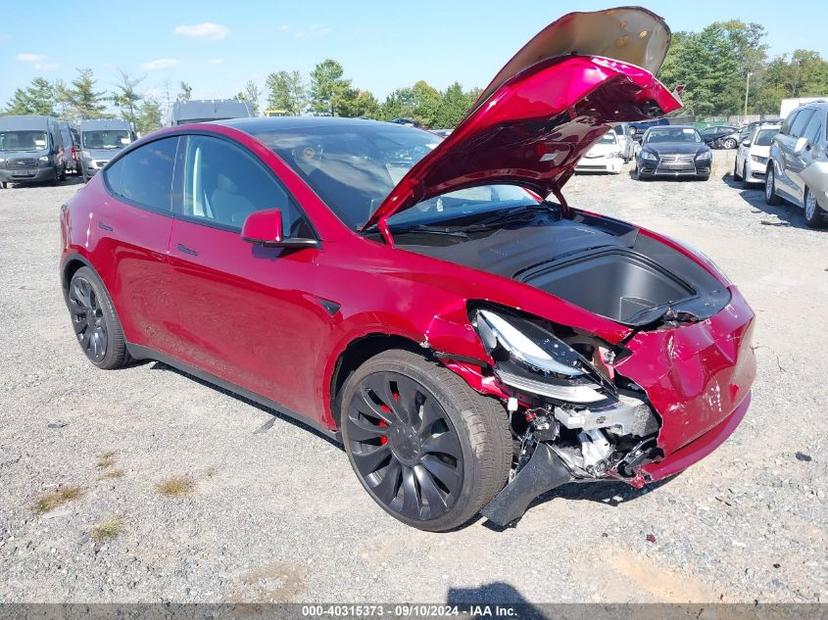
712 64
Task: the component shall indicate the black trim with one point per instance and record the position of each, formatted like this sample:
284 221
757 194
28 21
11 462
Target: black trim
139 352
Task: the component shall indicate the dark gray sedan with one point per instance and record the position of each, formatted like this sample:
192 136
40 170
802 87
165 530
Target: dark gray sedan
673 151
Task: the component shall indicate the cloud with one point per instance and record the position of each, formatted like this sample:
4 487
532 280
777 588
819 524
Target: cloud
160 63
207 30
38 61
216 61
33 58
283 28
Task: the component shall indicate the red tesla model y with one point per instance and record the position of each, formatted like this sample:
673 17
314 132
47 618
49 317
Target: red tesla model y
435 305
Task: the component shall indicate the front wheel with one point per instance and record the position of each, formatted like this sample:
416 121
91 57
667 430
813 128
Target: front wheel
730 143
736 171
770 188
815 216
428 449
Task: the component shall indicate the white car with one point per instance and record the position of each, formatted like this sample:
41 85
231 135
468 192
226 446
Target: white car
752 155
604 156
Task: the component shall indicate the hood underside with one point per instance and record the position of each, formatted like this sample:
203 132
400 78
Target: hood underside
547 106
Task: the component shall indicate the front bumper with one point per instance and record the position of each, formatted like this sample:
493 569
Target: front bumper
599 164
92 167
31 175
652 169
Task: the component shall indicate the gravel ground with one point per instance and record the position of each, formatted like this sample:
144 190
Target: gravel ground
264 510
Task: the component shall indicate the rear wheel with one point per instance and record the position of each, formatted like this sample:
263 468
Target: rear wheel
815 216
428 449
736 170
770 188
94 320
729 143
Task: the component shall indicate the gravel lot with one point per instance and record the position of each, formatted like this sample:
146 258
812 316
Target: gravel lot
268 511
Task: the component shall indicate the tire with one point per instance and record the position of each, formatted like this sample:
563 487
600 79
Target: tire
456 449
815 216
730 143
95 322
735 172
3 185
703 177
770 188
63 175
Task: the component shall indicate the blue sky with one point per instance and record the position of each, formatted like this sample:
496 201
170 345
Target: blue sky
218 46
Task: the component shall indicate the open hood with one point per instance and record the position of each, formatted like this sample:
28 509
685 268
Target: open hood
547 106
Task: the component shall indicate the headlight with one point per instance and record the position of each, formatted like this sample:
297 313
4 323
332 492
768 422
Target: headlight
44 158
649 156
703 155
530 358
759 159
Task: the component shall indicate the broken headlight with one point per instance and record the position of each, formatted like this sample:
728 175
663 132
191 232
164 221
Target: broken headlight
530 358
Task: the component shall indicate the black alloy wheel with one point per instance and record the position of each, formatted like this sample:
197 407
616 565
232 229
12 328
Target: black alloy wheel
425 446
404 446
95 322
88 319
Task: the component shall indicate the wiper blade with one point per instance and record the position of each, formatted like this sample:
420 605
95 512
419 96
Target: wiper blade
523 214
448 231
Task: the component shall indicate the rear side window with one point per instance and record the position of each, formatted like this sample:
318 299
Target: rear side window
144 176
786 125
800 122
814 129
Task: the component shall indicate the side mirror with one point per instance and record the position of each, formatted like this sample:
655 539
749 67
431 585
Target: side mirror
745 142
265 228
801 145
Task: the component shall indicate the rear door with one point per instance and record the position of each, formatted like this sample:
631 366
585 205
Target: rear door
246 313
130 232
813 134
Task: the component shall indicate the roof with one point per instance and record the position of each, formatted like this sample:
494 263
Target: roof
205 109
275 124
101 124
22 123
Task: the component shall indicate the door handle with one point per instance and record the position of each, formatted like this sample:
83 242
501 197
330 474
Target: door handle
183 248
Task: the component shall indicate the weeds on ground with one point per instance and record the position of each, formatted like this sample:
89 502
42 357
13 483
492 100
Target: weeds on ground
176 486
106 460
108 528
56 498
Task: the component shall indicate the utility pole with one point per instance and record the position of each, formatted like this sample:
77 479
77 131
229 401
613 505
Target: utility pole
747 87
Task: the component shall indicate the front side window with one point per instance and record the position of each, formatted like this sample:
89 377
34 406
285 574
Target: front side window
23 141
144 176
814 128
108 139
223 184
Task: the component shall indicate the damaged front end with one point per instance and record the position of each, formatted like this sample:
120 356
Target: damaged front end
573 416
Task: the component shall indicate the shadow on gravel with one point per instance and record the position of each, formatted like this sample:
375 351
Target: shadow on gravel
154 365
495 593
754 195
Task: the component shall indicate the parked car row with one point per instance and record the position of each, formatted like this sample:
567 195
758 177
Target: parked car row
42 149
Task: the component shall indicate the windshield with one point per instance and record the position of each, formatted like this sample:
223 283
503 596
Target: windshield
105 139
607 138
22 140
672 134
354 167
765 137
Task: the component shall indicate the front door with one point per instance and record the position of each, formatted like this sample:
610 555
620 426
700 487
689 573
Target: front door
246 313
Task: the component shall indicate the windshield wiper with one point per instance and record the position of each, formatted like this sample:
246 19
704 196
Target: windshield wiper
523 214
448 231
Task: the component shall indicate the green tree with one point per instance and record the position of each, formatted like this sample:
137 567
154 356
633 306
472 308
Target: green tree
286 91
358 103
398 104
149 116
37 98
185 91
81 98
327 87
427 101
250 95
454 104
127 98
805 74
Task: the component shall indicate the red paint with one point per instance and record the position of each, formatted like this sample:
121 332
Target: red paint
252 315
264 227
